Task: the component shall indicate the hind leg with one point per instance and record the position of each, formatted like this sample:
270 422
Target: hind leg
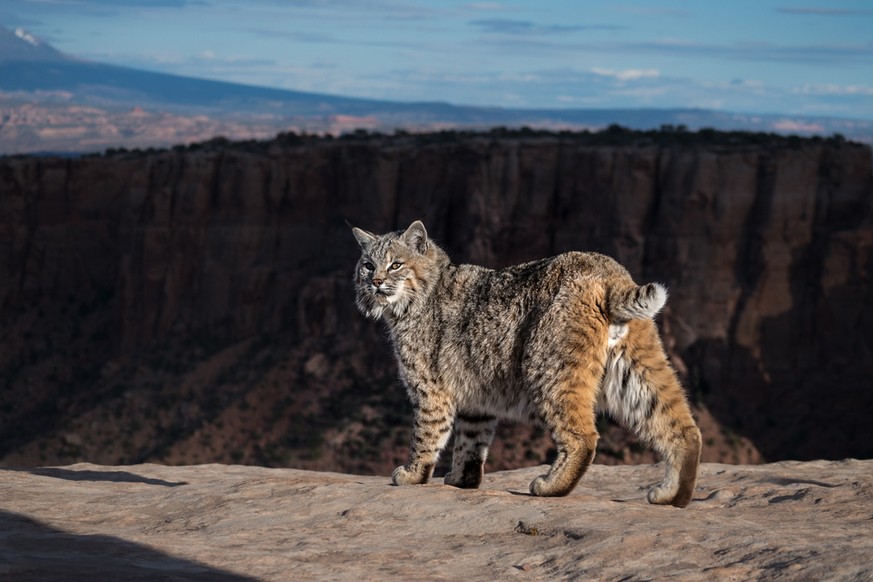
473 436
576 448
679 443
572 364
642 392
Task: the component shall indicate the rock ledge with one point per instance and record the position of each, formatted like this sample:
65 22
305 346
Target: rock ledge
792 520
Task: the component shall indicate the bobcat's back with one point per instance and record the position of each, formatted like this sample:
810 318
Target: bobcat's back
502 330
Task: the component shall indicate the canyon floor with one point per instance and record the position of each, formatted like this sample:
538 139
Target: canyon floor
787 520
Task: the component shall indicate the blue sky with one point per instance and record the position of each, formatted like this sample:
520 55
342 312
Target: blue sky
788 57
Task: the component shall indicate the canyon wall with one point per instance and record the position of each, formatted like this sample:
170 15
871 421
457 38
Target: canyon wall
196 304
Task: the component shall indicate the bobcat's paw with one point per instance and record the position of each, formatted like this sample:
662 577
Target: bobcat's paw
660 495
468 478
454 479
540 487
404 476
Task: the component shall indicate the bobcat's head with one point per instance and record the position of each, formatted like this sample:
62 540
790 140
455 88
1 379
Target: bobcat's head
396 271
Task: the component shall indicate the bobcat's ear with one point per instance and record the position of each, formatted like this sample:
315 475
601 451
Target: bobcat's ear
363 237
416 236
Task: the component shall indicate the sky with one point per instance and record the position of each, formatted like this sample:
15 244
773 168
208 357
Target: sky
751 56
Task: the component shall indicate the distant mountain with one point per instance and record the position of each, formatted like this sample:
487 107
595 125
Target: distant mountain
19 45
27 64
42 92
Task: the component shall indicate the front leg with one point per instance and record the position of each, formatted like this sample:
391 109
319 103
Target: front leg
430 432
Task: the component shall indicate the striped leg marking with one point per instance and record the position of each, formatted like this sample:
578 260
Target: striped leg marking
473 436
430 432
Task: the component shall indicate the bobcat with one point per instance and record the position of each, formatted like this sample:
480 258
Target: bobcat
550 341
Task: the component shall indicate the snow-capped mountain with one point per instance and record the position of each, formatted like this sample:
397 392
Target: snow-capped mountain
20 45
23 35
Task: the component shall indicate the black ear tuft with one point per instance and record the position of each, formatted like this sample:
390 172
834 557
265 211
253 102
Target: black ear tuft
364 238
416 236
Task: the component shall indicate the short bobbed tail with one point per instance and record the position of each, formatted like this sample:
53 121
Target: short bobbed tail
643 302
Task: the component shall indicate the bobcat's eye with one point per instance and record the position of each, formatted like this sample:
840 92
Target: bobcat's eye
369 266
395 265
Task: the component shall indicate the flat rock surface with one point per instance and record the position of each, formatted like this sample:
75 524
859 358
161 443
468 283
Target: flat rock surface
788 520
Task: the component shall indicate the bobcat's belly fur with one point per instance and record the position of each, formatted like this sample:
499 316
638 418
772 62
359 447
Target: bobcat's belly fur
550 341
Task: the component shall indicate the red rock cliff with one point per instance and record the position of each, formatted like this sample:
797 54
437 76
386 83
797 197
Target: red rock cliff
156 304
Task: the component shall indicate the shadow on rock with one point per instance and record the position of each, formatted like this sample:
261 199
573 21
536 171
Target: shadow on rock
86 475
30 550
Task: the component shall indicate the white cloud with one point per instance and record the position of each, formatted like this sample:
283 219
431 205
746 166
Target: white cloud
834 90
823 11
651 11
484 6
643 94
748 83
796 125
512 27
627 74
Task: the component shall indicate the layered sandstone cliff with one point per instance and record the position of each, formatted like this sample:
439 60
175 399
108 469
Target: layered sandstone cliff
195 304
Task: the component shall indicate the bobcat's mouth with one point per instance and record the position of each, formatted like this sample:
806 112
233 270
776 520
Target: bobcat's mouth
386 296
383 296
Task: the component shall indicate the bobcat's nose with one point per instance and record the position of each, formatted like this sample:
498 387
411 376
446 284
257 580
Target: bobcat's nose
377 282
